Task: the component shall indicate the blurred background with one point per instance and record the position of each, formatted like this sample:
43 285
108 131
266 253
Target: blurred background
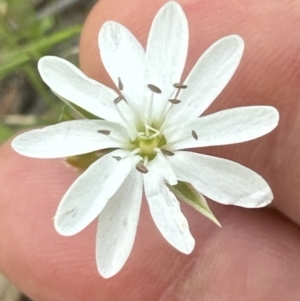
30 29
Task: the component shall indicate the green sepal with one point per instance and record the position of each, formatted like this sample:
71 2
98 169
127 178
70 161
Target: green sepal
187 193
66 114
85 160
71 111
85 113
76 112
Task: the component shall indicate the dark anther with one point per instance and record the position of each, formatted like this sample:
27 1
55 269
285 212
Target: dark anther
174 101
194 134
117 158
154 88
104 132
141 168
118 99
180 86
167 152
120 84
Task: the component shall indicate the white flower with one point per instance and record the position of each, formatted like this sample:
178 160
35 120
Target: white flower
147 126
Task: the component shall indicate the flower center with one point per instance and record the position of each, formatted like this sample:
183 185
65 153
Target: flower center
147 146
146 140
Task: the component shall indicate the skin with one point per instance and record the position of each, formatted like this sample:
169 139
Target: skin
255 256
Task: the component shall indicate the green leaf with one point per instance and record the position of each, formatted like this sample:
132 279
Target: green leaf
186 192
46 24
21 12
49 41
14 56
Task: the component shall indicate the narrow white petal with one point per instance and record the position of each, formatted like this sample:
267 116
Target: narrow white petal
117 226
123 57
129 118
89 194
222 180
166 169
208 78
165 211
69 82
224 127
166 52
70 138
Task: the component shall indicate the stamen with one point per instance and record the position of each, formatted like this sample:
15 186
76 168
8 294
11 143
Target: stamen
154 88
174 101
107 132
118 99
132 130
180 86
141 168
117 158
132 153
167 152
170 145
120 84
166 109
194 134
148 114
146 159
104 132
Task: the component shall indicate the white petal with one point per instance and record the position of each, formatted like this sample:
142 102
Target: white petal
165 211
224 127
221 180
117 226
129 119
88 195
69 82
123 57
166 52
166 169
208 78
70 138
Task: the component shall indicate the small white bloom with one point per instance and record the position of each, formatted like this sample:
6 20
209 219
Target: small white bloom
147 126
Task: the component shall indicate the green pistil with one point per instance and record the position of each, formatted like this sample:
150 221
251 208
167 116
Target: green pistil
147 146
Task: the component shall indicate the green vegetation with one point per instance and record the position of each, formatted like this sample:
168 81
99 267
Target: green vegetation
24 38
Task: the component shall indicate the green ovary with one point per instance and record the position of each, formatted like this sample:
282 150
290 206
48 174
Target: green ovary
147 146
